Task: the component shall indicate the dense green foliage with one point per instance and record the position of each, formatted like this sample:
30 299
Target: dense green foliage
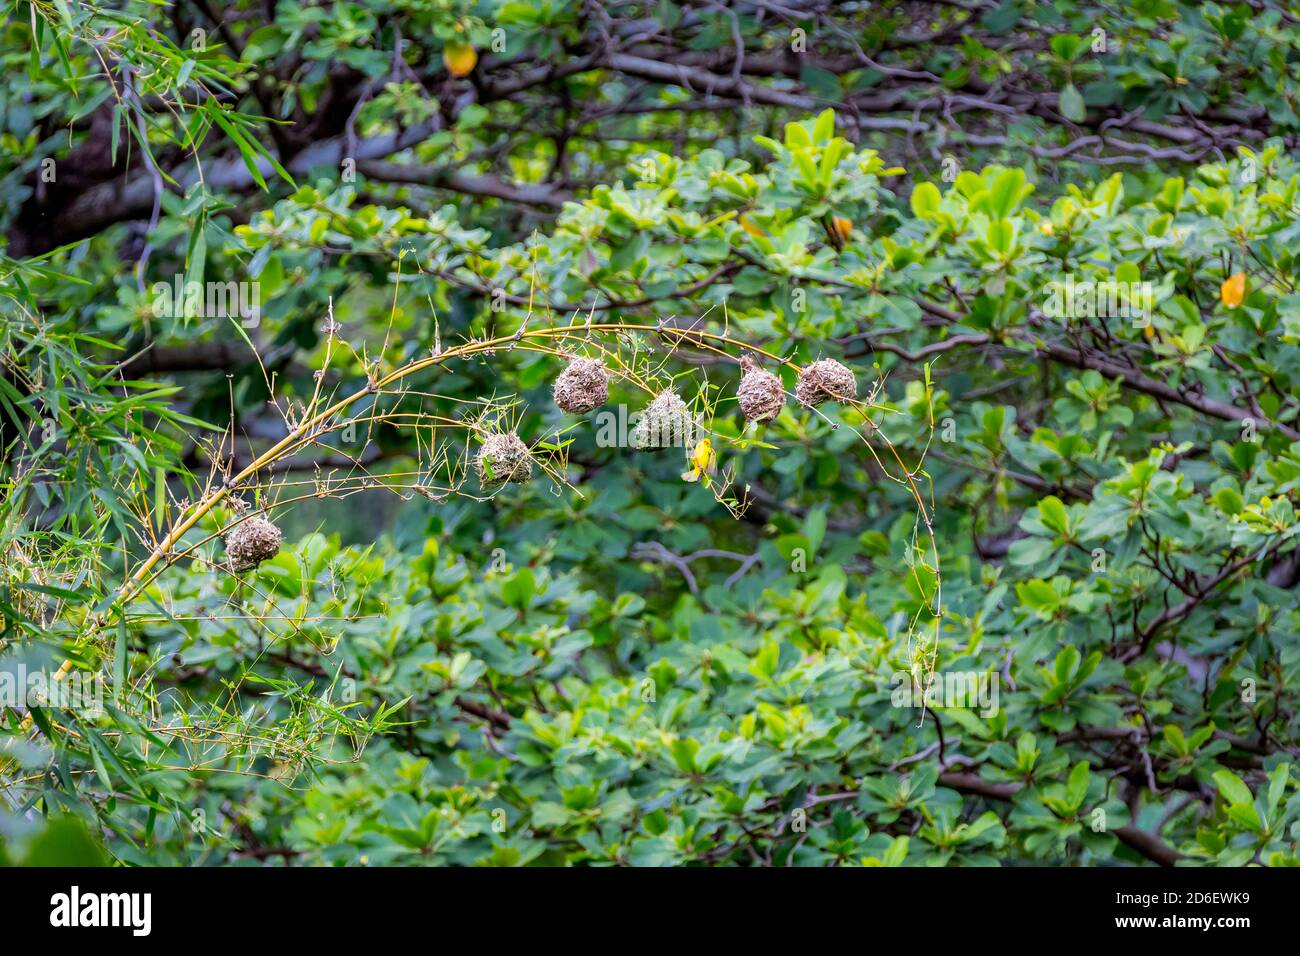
611 664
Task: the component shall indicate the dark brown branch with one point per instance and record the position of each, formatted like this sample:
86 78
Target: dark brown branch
1147 844
486 185
1138 382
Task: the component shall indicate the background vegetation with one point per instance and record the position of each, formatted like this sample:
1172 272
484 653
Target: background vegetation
610 664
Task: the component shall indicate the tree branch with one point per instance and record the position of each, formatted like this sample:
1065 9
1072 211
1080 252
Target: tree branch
1147 844
443 178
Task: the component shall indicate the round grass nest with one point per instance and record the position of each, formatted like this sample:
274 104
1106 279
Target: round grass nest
823 381
760 394
503 458
582 387
666 423
251 542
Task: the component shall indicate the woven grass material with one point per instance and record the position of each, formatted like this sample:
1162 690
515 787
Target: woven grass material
823 381
503 458
582 387
760 394
251 542
667 422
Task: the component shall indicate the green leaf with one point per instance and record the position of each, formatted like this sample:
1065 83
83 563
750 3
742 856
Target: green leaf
1232 788
1051 511
925 200
824 128
518 590
1071 104
1229 501
1076 787
684 750
1067 661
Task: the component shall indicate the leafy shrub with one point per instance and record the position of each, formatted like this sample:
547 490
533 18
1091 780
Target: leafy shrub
1075 437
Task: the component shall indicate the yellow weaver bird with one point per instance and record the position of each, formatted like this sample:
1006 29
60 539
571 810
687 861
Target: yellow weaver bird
703 461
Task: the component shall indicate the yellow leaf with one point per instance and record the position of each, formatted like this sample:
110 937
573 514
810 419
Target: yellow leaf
750 228
843 227
1233 290
459 58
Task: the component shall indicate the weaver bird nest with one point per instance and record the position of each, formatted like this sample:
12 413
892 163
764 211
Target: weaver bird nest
251 542
823 381
760 394
666 423
582 387
503 458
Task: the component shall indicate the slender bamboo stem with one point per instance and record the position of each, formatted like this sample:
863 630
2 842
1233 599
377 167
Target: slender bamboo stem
712 341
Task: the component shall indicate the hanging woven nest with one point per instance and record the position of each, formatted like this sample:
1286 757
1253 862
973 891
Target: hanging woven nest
582 387
823 381
251 542
760 394
666 423
503 458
